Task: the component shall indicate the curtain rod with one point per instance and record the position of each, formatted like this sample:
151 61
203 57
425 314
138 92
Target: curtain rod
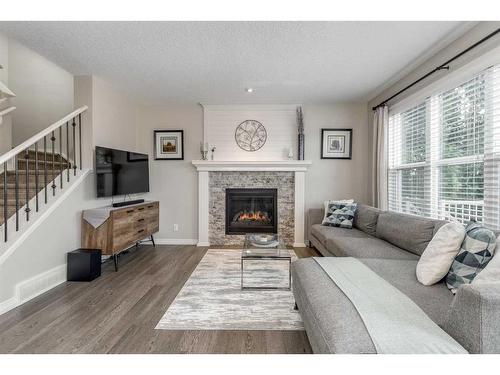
443 66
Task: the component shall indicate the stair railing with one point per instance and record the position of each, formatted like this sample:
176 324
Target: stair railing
19 155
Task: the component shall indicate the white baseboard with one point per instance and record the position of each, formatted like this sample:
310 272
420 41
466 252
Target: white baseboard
33 287
296 244
40 283
8 305
200 244
175 241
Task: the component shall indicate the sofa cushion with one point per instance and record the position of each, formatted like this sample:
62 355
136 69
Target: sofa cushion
411 233
365 218
476 251
340 215
491 273
438 256
367 247
434 300
322 233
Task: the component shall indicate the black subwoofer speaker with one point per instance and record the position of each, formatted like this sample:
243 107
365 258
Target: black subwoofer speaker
84 265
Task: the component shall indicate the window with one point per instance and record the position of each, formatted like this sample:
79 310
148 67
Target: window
444 153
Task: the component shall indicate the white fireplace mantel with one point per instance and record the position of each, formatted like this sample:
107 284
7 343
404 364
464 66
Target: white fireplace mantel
299 167
278 165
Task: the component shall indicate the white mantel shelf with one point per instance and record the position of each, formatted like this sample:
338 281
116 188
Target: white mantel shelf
277 165
299 167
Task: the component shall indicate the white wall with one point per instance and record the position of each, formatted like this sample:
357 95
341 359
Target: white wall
220 122
6 126
45 249
44 92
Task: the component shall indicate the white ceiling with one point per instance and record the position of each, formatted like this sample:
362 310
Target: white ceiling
213 62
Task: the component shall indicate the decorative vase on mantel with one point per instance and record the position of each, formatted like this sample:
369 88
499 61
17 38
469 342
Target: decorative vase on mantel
300 128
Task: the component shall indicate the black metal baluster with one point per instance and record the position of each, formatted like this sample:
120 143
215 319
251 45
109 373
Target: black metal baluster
80 137
60 158
45 177
27 187
74 146
16 189
5 208
53 140
67 150
36 176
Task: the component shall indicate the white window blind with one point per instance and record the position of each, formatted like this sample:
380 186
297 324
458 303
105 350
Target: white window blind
444 153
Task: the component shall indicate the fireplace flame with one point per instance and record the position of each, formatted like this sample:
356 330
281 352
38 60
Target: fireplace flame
253 216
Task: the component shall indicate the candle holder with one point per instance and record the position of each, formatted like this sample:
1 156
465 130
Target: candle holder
204 150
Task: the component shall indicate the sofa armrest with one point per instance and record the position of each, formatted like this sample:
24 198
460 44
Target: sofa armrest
314 216
473 318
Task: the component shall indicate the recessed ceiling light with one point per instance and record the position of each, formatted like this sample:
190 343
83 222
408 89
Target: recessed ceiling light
249 89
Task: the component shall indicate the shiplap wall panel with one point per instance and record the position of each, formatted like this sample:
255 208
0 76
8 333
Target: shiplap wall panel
220 122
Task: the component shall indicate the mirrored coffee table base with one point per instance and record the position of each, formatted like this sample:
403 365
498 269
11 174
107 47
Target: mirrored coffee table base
265 247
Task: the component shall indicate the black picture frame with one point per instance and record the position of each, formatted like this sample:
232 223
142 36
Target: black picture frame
341 133
157 133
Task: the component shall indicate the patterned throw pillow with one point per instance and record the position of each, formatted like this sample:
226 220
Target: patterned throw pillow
339 215
476 251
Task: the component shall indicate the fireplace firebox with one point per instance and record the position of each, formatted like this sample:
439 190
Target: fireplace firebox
251 210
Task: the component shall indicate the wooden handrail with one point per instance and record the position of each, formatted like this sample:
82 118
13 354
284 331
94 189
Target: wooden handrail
31 141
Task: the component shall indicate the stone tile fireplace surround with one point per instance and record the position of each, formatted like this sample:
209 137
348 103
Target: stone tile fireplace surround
214 177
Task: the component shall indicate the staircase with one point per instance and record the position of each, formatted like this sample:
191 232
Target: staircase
40 178
38 168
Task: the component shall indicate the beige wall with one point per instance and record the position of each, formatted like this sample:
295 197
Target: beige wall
114 116
174 183
457 46
330 178
44 92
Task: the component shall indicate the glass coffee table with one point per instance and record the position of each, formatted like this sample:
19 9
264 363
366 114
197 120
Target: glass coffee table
265 247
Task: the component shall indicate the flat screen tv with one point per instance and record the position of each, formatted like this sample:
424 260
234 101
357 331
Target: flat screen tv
120 172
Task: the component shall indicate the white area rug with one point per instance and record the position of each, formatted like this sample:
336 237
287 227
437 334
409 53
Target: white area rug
212 298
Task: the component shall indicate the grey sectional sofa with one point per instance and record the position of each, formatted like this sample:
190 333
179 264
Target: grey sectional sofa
390 244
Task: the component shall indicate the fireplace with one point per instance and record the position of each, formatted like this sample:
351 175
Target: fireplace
251 210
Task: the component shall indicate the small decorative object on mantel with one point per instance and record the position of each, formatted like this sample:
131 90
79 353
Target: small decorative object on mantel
290 154
250 135
204 150
169 144
213 151
336 143
300 128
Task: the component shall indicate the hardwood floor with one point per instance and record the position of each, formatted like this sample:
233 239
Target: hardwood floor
117 313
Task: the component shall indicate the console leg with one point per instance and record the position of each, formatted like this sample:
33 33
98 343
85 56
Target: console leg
115 261
153 241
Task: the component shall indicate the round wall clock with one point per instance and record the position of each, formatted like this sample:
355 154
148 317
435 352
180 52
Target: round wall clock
250 135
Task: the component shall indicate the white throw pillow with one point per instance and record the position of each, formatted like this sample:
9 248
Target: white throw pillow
491 273
439 254
327 203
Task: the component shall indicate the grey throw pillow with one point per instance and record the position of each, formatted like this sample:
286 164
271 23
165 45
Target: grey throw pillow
340 215
476 251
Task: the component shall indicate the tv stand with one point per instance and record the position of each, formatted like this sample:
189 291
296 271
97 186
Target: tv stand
124 228
128 203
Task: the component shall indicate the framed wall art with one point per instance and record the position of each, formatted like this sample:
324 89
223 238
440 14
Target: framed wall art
336 143
169 144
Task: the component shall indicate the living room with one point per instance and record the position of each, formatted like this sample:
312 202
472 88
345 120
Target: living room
199 186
